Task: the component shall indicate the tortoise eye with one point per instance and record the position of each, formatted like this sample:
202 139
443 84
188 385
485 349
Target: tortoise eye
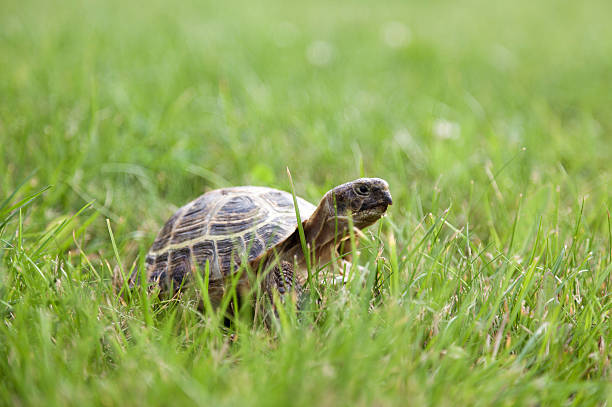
362 189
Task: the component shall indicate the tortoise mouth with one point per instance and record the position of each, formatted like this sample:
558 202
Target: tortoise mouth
366 217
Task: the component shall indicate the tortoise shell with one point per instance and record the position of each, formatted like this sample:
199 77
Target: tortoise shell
223 227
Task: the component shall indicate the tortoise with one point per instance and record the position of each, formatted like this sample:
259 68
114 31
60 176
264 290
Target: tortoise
226 228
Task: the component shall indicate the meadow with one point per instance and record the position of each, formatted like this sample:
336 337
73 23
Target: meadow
488 283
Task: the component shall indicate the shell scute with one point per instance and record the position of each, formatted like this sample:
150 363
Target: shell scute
220 228
229 252
237 207
271 234
188 231
180 264
165 234
203 252
237 215
279 199
149 260
158 269
193 222
254 245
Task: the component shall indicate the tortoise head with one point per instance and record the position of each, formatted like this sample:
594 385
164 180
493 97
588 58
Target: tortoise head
365 200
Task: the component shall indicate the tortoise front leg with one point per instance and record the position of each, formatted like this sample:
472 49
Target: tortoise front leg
281 284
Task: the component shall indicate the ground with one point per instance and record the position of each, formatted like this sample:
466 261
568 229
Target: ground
487 284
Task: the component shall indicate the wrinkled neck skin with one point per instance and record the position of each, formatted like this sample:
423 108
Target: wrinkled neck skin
323 232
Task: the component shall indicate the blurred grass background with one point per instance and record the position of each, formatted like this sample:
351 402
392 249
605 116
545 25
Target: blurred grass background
501 112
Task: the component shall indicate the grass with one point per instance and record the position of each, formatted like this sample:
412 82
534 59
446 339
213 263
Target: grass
487 284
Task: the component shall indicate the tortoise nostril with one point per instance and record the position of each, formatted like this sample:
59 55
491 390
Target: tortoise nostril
387 198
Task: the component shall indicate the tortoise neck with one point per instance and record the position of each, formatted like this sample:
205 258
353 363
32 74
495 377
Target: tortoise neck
327 229
322 231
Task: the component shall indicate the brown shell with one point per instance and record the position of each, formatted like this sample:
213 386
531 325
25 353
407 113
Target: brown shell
222 227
